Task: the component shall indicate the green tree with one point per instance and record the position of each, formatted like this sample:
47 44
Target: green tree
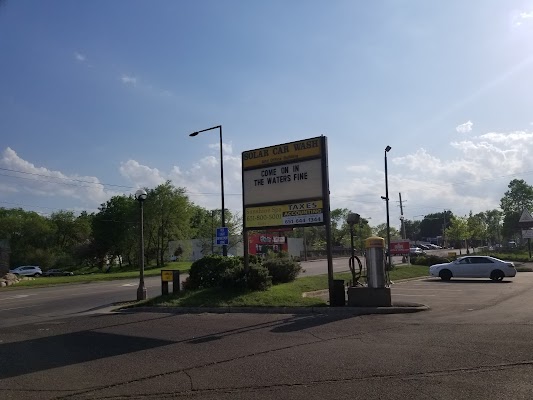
340 230
458 230
477 228
114 230
412 229
31 237
434 225
381 231
168 213
515 200
493 220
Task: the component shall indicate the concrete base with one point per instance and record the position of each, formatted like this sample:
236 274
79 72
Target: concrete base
369 297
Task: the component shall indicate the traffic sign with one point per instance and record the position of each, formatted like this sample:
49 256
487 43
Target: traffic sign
526 220
222 236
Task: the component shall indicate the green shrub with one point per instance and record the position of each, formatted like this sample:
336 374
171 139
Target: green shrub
256 278
208 271
428 260
228 273
282 268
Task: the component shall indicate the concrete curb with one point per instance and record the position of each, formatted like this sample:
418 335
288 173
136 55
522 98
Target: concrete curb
395 309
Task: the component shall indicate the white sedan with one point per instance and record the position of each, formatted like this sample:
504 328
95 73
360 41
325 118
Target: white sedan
474 267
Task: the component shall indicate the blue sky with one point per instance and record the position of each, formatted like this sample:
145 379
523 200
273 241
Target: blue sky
107 92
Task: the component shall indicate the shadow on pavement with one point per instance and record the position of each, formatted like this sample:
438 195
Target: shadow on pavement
307 322
35 355
292 324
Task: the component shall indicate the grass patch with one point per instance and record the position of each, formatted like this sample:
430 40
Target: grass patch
282 295
98 277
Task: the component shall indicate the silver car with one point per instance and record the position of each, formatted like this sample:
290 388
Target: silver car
474 267
27 270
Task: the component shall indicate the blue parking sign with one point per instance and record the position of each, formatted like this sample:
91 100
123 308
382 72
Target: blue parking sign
222 236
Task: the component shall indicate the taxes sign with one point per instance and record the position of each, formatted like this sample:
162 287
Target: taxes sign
222 238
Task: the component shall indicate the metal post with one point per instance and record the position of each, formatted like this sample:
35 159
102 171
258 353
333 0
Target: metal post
141 291
219 127
389 267
212 232
352 241
224 247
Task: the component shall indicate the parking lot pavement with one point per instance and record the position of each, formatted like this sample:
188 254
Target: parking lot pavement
465 295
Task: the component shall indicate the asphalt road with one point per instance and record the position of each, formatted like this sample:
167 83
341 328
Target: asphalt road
474 343
29 305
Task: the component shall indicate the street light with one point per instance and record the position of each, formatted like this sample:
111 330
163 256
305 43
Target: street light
387 149
140 196
219 127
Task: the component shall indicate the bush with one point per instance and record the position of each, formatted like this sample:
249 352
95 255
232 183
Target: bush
282 268
256 278
428 260
227 273
209 271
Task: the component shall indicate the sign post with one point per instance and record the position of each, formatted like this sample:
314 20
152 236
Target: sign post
287 186
526 221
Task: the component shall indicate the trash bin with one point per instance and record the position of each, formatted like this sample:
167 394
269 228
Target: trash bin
339 295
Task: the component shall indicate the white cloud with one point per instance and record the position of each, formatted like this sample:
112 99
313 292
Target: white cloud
227 148
358 168
80 57
202 179
40 181
522 18
465 128
141 175
474 178
128 80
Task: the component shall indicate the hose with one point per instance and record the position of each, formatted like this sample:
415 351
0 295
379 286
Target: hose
356 275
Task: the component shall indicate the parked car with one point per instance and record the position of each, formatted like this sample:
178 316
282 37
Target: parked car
423 246
474 267
416 251
57 272
27 270
433 246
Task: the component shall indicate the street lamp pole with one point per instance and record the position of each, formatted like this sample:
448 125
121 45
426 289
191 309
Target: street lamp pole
219 127
387 149
140 196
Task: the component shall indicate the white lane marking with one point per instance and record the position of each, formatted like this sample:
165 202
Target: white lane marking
17 296
128 284
414 295
439 290
16 308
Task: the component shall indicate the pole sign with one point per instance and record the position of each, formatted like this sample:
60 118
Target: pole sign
527 233
399 247
222 236
284 185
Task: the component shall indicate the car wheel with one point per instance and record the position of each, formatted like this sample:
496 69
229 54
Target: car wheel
497 275
36 275
445 274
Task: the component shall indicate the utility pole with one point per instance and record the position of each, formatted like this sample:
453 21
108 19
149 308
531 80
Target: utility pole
444 231
402 219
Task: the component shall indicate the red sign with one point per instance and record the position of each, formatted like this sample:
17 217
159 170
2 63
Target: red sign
399 247
261 243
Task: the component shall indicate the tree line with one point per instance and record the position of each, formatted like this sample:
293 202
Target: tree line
111 235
